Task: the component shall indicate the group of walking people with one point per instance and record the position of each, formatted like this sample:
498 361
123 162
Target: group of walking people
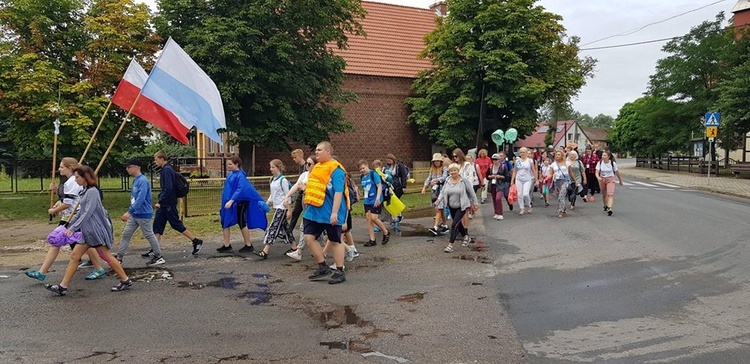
454 183
322 195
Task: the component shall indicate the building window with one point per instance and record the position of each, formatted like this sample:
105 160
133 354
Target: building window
211 146
231 146
221 146
570 136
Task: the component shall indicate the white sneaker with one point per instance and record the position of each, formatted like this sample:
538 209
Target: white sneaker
500 217
349 255
466 241
355 253
494 216
294 255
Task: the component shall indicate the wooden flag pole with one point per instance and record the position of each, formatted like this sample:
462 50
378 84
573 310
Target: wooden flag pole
111 144
93 136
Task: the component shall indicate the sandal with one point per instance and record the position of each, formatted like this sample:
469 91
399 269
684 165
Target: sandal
62 291
261 254
36 275
96 273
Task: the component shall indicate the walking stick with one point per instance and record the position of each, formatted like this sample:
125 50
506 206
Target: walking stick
112 143
54 165
93 136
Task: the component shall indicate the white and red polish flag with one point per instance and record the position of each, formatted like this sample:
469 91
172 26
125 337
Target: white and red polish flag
127 92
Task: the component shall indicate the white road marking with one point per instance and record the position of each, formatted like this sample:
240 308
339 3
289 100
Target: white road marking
638 188
626 183
644 184
663 189
666 185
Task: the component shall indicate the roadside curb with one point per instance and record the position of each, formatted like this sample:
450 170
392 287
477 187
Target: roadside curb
698 188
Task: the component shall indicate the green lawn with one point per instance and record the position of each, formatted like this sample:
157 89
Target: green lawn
34 206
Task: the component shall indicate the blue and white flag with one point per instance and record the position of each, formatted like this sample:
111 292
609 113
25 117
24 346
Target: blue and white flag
179 85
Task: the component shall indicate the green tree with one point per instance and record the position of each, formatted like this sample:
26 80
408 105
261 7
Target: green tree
690 76
69 54
272 62
511 52
734 93
651 126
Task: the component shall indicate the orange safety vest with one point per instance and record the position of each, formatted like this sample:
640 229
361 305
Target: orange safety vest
317 182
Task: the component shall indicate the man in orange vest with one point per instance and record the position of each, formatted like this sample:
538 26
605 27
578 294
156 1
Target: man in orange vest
326 197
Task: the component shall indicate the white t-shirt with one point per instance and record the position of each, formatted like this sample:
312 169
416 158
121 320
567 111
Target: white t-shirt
302 180
523 170
560 172
606 170
279 189
71 195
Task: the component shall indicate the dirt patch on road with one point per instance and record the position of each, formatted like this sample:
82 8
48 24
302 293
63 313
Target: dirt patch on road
23 241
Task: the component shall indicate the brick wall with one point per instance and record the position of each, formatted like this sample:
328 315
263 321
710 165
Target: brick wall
380 127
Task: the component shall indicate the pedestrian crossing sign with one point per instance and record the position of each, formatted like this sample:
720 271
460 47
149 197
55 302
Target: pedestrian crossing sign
712 119
711 131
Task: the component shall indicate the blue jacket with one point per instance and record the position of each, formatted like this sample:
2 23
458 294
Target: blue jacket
140 198
238 188
167 195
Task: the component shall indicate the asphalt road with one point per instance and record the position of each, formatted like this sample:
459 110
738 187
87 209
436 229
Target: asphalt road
405 301
665 279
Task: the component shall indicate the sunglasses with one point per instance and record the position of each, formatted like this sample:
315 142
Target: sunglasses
308 163
455 156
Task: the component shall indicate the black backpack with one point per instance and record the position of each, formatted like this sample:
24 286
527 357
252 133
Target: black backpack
181 185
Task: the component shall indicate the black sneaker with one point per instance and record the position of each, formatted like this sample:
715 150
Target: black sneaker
156 261
123 285
222 249
321 272
338 277
62 291
149 254
510 206
370 243
609 212
444 229
386 238
605 208
433 231
197 246
247 249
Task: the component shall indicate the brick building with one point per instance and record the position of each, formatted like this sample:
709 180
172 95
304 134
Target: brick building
380 70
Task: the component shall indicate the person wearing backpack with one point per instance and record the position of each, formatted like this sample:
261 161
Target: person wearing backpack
166 207
372 191
279 227
400 172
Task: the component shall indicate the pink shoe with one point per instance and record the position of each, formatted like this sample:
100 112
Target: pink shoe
592 198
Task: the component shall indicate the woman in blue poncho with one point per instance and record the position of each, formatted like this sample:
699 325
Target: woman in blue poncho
241 205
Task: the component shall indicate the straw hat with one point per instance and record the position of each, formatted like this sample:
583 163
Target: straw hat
437 157
572 145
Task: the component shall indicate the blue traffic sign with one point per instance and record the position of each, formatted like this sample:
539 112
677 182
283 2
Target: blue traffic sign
712 119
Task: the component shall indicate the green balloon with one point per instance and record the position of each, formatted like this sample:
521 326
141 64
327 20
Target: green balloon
511 135
498 137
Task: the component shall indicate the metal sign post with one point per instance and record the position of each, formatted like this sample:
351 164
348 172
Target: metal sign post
711 122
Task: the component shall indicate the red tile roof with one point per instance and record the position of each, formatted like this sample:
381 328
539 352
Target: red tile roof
536 140
394 38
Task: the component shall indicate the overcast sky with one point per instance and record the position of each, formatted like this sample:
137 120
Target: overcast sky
621 73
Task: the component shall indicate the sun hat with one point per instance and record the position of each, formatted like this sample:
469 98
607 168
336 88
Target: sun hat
496 156
437 157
